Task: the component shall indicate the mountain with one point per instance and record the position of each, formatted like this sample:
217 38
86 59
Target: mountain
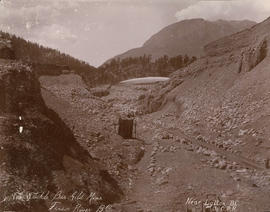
186 37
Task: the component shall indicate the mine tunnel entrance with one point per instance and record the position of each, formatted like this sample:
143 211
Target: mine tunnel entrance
127 128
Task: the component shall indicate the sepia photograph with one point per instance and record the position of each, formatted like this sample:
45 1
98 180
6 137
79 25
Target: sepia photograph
134 105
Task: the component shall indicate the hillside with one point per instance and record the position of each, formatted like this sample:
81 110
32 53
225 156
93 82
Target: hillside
46 61
186 37
40 156
221 104
130 67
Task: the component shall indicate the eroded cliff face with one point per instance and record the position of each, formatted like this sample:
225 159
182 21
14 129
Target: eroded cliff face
39 152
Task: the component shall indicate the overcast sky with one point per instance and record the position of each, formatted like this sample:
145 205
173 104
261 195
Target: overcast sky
96 30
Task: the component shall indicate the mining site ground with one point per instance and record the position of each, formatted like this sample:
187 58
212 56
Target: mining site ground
164 165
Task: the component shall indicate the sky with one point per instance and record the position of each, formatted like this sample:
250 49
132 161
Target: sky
96 30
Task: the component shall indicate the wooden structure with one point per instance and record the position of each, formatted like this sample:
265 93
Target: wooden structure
126 128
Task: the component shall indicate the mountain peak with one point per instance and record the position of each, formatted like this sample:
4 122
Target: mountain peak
183 38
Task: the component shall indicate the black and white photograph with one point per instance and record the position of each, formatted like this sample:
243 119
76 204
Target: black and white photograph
134 105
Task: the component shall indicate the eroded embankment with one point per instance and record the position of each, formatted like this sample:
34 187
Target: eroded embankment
43 156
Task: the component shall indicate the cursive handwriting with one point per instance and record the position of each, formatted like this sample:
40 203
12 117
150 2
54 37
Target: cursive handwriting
58 201
26 196
212 204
